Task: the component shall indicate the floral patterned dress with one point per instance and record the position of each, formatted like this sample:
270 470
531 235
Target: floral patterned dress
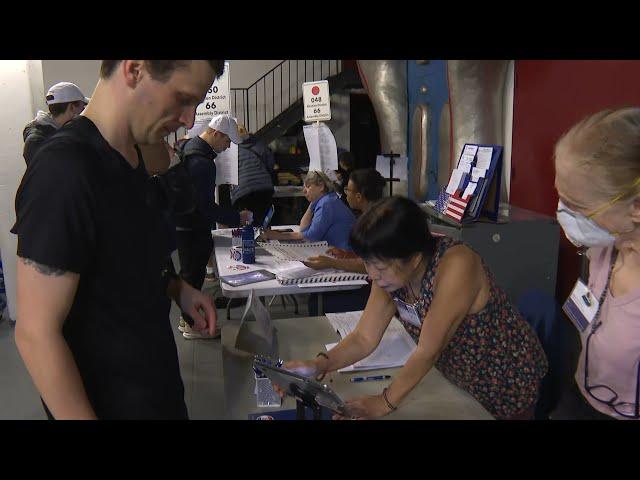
494 354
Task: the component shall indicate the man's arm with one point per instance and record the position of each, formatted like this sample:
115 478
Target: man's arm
45 296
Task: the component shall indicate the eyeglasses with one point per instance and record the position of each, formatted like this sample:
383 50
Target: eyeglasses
614 200
607 395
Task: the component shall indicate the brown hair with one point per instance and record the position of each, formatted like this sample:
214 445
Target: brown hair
160 69
57 109
608 143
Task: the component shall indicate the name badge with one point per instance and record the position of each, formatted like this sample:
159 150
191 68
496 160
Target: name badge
408 312
581 306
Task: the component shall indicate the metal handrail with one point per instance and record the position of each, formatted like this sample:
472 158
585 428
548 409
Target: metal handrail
255 117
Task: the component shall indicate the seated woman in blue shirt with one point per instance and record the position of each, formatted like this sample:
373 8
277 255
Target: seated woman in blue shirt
327 218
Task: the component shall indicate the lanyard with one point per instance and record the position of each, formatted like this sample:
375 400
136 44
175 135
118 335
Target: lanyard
596 323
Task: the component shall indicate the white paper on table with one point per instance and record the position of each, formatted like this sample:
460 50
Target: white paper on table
454 182
227 166
383 165
394 349
338 283
322 148
470 150
484 157
470 190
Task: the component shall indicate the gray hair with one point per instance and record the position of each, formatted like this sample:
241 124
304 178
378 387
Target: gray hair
319 178
608 143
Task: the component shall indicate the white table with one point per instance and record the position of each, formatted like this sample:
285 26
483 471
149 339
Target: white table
264 260
434 398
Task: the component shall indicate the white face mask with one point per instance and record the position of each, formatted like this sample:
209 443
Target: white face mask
582 231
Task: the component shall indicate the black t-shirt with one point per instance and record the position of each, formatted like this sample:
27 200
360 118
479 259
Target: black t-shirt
81 208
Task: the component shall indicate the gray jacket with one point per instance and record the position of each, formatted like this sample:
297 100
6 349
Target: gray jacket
255 169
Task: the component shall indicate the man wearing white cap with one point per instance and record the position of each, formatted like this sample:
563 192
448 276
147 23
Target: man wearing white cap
193 230
65 101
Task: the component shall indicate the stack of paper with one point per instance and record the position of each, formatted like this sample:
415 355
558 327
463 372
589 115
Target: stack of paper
394 349
295 252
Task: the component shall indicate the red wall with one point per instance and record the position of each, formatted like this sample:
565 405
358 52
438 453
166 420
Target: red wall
550 96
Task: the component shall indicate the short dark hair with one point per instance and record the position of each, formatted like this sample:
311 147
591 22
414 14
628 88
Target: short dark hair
369 183
160 69
57 109
392 228
347 158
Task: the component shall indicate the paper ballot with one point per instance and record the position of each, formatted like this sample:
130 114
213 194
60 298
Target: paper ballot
394 349
399 167
455 181
470 150
323 152
227 166
484 157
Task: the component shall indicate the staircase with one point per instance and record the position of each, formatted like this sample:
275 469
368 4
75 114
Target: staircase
273 103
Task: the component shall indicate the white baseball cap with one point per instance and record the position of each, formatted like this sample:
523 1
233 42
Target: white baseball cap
65 92
227 125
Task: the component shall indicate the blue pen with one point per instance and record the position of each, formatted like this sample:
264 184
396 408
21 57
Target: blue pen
368 379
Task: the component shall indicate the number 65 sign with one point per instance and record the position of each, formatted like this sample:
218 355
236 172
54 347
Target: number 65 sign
317 104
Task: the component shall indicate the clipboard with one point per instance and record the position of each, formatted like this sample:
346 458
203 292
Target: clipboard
299 386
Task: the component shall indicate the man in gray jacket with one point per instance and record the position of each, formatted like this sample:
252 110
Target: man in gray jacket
255 177
65 101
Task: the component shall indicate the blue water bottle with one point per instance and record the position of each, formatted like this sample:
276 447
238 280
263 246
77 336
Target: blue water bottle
248 243
3 293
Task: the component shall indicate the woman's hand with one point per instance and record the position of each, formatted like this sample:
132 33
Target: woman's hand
340 253
268 235
306 368
320 262
365 408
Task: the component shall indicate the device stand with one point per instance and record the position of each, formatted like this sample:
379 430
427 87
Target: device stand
304 400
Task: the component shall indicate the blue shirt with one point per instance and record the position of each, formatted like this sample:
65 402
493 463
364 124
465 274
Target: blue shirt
332 222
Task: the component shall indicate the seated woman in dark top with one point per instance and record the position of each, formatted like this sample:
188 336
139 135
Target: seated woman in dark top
449 303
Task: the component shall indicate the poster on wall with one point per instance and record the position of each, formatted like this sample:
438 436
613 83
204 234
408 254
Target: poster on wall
216 102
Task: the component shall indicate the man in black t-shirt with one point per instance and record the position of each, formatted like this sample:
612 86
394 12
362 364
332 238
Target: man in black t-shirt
93 283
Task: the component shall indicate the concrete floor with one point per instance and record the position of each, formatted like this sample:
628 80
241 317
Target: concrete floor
200 364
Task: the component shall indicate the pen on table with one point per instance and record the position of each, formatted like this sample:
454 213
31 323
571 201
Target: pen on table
368 379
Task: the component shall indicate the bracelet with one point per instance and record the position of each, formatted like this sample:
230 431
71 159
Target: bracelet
320 377
386 400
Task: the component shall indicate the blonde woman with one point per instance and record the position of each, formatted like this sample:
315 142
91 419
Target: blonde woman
598 182
327 218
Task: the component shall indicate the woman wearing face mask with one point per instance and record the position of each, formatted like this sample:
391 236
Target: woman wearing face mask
598 182
461 320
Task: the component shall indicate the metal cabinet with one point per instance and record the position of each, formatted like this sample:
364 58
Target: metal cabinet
521 249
